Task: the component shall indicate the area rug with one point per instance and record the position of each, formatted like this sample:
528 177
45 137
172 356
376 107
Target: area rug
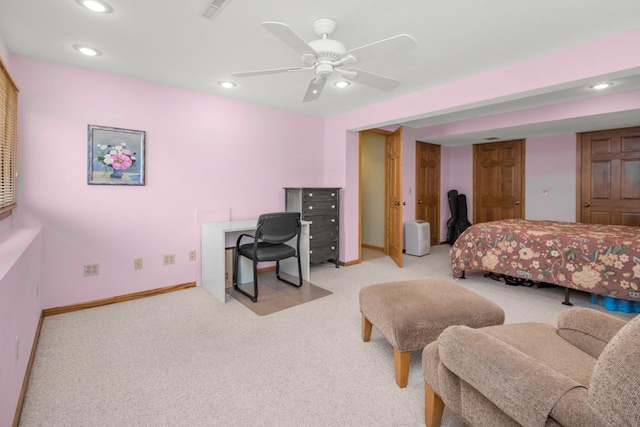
274 295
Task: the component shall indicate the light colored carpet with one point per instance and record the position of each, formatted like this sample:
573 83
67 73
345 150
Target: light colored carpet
185 359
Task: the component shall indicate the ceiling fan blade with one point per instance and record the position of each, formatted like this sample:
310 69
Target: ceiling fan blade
263 72
288 37
371 79
384 48
315 88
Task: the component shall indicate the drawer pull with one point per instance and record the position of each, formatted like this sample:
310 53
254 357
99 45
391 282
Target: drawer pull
333 194
310 207
310 237
333 220
333 248
333 206
310 194
310 252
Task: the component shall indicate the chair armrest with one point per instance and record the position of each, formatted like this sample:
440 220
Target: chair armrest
588 329
240 238
522 388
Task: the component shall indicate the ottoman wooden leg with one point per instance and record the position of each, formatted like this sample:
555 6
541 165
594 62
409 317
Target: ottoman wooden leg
433 408
366 329
402 361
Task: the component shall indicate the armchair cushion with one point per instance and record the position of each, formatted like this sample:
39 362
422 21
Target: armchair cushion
589 330
523 388
542 342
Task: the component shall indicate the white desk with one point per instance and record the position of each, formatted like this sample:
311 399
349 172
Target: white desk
212 256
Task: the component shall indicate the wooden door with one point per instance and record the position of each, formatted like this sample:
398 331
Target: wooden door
393 201
428 187
609 177
498 181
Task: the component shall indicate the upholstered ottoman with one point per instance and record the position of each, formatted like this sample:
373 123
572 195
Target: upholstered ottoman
411 314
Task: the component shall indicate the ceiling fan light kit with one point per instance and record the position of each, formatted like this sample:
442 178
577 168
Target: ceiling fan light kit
326 56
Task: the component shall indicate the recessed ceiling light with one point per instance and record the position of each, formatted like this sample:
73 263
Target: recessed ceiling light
341 84
86 50
227 85
601 86
96 6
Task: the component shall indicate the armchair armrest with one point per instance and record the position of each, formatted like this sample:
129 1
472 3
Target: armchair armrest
522 388
588 329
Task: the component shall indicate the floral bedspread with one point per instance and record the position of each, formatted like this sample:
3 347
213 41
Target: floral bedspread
600 259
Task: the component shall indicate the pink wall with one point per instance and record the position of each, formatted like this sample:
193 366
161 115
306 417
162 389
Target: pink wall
205 155
551 165
456 174
20 285
602 104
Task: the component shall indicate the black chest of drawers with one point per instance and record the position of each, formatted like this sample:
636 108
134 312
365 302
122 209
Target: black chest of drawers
321 207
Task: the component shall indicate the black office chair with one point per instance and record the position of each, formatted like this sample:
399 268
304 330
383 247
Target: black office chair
269 244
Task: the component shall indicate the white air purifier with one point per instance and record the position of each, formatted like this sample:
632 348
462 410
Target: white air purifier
417 238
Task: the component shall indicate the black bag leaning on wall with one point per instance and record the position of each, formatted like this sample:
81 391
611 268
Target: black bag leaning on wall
462 223
451 222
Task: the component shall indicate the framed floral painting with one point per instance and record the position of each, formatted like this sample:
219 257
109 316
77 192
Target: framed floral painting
116 156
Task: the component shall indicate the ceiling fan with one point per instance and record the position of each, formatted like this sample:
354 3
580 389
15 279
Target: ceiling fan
327 56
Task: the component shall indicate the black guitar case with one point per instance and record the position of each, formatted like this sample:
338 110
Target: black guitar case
462 223
451 222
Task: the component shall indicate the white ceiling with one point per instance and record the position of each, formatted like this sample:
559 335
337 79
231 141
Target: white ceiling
169 42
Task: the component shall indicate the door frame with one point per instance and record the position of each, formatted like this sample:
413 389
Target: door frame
386 133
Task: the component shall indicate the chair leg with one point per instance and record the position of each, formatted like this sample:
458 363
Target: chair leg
287 281
235 269
433 408
402 361
299 269
255 280
253 297
366 329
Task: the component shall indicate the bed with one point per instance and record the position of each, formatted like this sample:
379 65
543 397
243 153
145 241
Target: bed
599 259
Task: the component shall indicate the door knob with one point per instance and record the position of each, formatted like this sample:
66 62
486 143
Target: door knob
587 204
396 203
517 202
419 202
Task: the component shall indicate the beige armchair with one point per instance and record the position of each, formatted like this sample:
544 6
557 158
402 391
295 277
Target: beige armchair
585 372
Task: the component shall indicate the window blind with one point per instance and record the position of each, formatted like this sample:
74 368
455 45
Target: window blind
8 141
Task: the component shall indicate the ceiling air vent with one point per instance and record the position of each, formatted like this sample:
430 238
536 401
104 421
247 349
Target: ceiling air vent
492 138
213 8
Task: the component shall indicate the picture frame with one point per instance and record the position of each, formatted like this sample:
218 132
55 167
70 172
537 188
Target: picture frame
115 156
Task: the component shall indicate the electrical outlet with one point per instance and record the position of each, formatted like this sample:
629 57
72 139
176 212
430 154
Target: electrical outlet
192 255
91 269
169 259
137 264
